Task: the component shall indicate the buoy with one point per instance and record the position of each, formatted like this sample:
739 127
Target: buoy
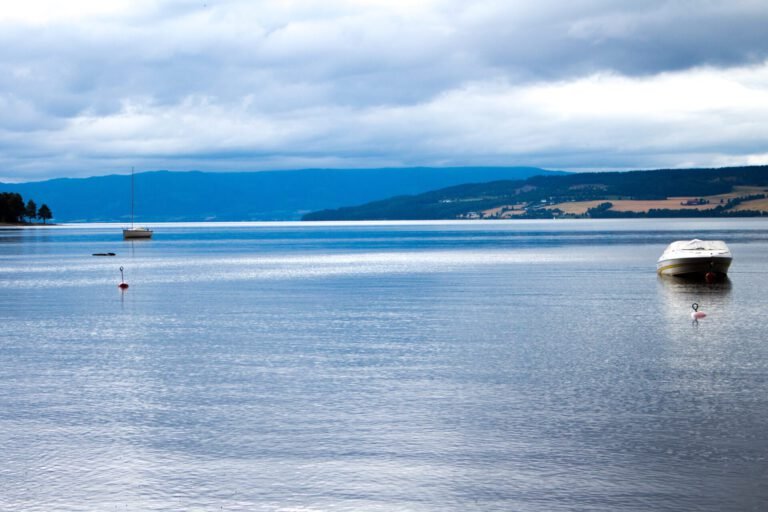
123 285
696 314
710 277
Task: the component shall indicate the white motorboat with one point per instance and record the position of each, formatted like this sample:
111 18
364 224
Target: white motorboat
134 232
695 258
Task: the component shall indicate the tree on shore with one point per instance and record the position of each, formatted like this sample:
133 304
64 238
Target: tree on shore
30 212
11 207
13 210
44 213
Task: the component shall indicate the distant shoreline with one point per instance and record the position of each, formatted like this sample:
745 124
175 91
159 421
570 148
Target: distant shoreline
24 224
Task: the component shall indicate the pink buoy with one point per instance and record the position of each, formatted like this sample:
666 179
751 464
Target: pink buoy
696 314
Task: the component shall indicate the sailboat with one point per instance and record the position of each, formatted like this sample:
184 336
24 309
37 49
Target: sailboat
135 232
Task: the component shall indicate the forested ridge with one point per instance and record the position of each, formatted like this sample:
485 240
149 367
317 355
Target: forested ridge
538 191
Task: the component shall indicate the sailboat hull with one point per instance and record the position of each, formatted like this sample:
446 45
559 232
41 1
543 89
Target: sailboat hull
134 233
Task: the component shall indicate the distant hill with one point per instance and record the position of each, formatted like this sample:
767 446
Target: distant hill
717 192
269 195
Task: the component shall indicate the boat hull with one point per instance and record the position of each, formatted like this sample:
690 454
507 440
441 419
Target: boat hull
137 233
694 266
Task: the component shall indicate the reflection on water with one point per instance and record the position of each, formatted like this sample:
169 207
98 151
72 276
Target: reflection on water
381 367
678 288
679 294
10 236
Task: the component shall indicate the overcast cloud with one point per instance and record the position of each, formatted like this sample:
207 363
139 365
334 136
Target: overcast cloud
90 87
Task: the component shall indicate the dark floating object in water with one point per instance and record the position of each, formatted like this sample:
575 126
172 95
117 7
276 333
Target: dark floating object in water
103 254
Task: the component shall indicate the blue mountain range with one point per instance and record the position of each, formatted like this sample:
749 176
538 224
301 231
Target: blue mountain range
163 196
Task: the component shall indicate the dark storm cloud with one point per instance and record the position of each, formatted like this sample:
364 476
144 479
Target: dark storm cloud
559 39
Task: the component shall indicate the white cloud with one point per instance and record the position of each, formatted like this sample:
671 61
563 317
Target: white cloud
234 84
39 12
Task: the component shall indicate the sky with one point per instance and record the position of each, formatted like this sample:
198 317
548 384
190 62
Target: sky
89 87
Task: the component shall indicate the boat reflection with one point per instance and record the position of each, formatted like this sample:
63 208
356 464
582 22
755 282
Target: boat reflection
679 293
680 284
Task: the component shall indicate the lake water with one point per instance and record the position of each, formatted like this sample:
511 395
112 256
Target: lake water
511 366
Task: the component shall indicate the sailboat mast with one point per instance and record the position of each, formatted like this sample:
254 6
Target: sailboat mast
134 232
131 197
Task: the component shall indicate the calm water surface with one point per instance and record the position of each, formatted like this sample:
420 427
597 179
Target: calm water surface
524 366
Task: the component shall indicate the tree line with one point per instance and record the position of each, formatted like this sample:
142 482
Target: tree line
13 210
